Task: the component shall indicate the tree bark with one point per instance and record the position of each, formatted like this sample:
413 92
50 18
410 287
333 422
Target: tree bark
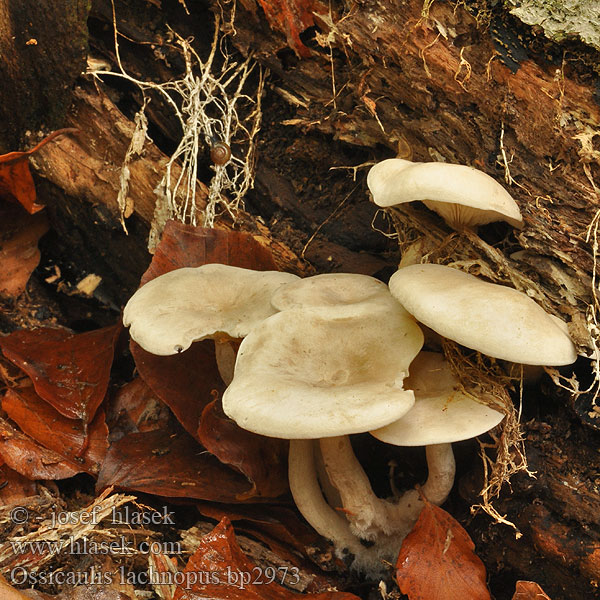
352 83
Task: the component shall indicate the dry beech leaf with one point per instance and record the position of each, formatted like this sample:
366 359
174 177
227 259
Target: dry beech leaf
69 370
134 408
261 459
19 253
86 445
169 464
184 245
7 592
14 486
292 17
27 457
219 570
437 560
16 182
185 382
277 527
529 590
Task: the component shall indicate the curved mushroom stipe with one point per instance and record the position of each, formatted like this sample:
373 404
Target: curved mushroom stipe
442 468
369 516
374 518
331 493
309 499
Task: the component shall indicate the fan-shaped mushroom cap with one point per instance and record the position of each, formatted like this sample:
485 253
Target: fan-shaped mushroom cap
317 372
187 305
441 413
493 319
329 289
462 195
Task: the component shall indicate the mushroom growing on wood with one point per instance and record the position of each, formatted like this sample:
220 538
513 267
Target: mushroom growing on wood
442 414
494 319
216 301
461 195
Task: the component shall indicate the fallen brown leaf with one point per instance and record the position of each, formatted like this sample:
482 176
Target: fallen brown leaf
13 486
70 371
188 246
184 382
29 458
16 182
528 590
19 254
169 464
70 438
134 408
7 592
277 527
437 560
221 571
262 460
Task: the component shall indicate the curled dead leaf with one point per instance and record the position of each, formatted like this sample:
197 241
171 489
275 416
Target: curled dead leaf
437 560
529 590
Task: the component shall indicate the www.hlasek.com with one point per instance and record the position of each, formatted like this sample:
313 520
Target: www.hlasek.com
185 579
120 546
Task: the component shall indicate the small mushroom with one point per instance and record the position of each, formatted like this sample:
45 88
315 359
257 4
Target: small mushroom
494 319
461 195
169 313
442 414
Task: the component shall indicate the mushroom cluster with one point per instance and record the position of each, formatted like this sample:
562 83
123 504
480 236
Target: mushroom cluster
329 356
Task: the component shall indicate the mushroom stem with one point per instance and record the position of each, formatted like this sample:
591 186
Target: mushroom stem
368 515
442 468
311 503
329 490
225 355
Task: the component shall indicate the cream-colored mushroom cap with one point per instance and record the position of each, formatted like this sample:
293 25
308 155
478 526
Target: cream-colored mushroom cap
329 289
187 305
493 319
461 195
441 413
317 372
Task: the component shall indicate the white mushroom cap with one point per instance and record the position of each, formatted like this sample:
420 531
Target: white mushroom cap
330 289
187 305
462 195
441 413
493 319
318 372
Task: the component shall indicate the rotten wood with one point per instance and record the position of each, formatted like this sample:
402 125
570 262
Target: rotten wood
464 83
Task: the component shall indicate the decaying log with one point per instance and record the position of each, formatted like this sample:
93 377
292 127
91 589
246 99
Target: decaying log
435 82
87 167
43 47
368 80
